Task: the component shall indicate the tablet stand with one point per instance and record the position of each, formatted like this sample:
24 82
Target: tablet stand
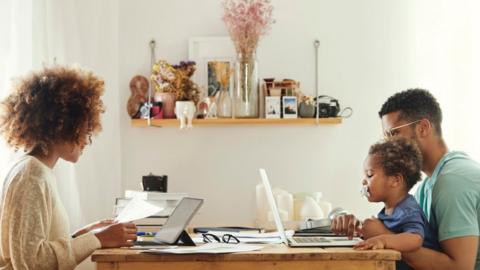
184 240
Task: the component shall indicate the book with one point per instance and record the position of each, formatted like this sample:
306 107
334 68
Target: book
148 228
151 221
232 229
154 195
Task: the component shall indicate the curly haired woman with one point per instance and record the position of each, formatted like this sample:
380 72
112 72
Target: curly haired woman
50 114
392 168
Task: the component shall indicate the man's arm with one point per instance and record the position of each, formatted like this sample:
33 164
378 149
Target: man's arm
460 254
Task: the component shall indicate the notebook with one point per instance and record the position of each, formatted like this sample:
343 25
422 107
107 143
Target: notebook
301 241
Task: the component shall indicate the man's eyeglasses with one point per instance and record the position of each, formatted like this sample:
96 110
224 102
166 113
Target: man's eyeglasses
394 130
226 238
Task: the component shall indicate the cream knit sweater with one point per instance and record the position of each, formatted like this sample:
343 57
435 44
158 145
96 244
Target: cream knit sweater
34 227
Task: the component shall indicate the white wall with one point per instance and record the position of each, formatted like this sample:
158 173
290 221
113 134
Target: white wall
369 50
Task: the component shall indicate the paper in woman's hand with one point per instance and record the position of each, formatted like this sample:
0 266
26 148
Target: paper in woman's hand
137 209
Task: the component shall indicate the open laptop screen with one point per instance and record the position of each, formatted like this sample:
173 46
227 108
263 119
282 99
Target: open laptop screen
273 205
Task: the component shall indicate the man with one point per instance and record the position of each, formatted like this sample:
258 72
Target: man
449 196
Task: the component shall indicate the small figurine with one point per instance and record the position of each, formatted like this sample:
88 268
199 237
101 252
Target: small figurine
139 90
185 111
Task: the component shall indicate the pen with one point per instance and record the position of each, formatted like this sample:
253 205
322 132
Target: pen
145 234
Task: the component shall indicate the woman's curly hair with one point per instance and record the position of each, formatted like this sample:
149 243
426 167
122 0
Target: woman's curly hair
54 105
399 156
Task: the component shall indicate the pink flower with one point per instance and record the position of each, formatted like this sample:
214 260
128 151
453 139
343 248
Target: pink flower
247 21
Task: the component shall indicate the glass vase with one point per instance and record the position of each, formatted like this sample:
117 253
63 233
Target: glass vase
246 87
224 103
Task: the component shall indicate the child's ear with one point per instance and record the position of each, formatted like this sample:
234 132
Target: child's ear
396 180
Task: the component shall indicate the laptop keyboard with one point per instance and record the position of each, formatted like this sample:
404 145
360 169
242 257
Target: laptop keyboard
311 240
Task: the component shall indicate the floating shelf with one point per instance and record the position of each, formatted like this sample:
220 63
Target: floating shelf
245 122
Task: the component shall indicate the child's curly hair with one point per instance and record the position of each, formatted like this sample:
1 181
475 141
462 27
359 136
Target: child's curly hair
399 156
54 105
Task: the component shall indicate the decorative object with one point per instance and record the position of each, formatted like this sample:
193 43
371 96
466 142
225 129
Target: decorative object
220 72
272 107
247 21
289 107
306 108
138 89
212 108
246 87
185 111
168 103
205 50
176 79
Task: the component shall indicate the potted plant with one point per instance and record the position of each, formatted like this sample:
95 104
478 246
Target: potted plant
306 108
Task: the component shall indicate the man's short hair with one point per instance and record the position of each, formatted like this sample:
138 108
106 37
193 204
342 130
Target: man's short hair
413 105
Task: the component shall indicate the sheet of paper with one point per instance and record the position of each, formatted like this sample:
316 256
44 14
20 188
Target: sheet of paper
208 248
248 238
137 209
253 235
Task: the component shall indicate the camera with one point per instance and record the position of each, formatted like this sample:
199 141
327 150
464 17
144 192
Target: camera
155 182
329 108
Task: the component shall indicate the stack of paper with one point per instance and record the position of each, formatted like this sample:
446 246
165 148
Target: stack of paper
207 248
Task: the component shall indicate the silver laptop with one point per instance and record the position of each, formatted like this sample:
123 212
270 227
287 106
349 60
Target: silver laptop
301 241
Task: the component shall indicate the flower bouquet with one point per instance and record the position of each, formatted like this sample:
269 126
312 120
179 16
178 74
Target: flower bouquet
247 21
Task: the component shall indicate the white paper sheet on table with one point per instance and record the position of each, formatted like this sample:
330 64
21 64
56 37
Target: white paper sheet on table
137 209
248 238
208 248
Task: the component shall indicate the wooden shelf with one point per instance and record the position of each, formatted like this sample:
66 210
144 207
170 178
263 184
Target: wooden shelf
230 121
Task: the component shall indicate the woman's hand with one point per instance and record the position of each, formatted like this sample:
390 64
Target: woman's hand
92 226
118 235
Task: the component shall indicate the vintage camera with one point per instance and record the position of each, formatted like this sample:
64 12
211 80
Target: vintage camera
327 106
155 182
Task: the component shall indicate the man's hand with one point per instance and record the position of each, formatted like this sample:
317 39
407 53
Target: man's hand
346 225
377 242
93 226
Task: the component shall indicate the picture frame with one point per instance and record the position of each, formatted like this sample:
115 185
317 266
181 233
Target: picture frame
272 107
206 50
290 107
213 83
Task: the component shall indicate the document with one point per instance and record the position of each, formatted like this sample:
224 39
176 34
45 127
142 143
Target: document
248 238
137 209
214 248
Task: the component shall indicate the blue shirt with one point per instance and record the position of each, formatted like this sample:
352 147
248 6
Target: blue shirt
409 217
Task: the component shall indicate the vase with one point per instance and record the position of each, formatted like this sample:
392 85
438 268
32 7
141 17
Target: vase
305 110
246 87
224 103
168 103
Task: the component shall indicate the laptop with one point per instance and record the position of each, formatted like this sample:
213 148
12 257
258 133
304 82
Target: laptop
173 231
302 241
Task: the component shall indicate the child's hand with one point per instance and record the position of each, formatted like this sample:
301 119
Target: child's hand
377 242
373 227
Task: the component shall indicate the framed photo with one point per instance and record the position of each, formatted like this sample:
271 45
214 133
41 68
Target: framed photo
290 107
272 107
217 70
206 51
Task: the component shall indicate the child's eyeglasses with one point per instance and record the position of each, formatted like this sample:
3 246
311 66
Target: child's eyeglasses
226 238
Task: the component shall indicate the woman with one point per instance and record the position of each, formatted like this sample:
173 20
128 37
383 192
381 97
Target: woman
50 114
